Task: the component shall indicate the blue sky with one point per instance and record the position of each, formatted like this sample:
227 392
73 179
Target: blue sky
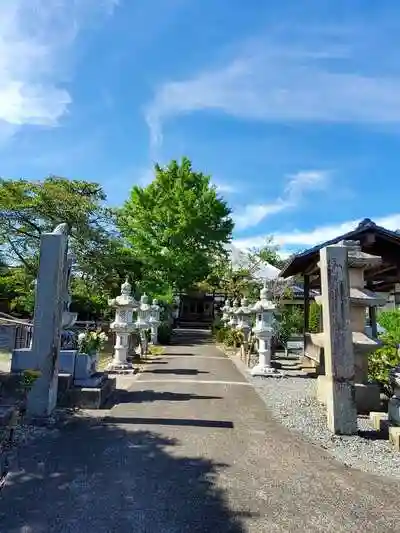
292 107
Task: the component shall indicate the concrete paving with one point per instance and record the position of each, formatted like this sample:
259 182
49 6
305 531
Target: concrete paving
189 448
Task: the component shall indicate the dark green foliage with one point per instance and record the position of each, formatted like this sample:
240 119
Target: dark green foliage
164 333
314 319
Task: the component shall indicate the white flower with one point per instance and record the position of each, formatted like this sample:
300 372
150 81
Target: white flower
81 337
103 336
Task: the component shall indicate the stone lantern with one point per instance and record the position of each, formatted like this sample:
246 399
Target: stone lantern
232 313
226 309
244 316
123 326
143 321
154 321
264 310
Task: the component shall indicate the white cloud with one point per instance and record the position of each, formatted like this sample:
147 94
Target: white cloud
252 215
36 37
226 188
282 80
298 184
302 239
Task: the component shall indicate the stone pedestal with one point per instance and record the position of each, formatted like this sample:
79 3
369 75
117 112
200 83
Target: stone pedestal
123 326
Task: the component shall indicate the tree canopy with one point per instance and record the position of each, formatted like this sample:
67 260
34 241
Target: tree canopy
176 224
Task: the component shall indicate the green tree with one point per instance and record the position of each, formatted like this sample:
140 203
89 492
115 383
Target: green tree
29 208
16 290
177 224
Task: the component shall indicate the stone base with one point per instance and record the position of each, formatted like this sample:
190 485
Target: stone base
394 411
367 396
91 382
90 397
266 371
116 367
379 420
65 382
394 437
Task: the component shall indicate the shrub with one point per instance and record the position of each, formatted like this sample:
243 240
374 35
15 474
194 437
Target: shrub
164 333
314 320
289 322
220 334
383 360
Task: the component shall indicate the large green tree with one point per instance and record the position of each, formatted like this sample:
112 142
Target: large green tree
29 208
177 224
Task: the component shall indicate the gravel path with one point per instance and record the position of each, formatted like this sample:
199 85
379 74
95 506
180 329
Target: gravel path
291 400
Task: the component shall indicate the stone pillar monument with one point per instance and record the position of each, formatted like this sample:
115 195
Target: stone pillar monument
44 353
367 395
154 321
338 348
264 310
123 326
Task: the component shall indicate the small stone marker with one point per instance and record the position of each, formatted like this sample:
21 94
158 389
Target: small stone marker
339 357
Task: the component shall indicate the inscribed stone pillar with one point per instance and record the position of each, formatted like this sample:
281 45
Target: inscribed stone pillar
339 358
42 398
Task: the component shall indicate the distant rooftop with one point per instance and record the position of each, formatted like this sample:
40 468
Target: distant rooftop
239 259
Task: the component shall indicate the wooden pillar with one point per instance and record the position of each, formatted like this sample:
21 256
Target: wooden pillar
372 316
306 305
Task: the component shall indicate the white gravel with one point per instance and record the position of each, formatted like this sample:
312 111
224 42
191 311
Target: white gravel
292 401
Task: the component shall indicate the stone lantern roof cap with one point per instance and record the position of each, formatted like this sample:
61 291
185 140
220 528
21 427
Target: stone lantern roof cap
264 303
357 258
244 308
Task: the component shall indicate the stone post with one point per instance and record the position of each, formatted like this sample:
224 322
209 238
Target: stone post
42 397
338 349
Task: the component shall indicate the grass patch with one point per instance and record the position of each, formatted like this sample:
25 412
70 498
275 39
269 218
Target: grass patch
156 350
104 359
